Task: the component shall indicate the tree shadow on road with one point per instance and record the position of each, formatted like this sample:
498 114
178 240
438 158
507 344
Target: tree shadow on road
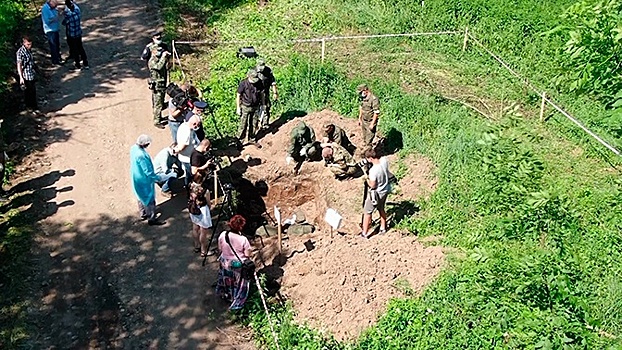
149 288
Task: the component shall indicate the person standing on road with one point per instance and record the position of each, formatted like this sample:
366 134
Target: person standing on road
187 141
144 179
158 74
197 109
155 44
165 163
50 17
27 73
72 22
268 82
248 99
379 189
234 246
200 160
199 208
368 114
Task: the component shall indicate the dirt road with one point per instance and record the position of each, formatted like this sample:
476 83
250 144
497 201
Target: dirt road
105 279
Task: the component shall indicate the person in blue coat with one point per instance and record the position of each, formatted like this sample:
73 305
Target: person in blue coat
144 179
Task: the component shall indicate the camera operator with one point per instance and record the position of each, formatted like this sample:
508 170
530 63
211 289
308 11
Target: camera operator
201 160
378 180
180 102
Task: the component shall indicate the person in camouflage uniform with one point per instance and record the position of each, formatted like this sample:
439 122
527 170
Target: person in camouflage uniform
334 134
368 114
268 83
339 161
158 67
302 138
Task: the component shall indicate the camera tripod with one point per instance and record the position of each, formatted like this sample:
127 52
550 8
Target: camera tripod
225 208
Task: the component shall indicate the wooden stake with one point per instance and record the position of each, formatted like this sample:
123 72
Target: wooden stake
542 106
173 45
466 38
323 48
280 231
216 186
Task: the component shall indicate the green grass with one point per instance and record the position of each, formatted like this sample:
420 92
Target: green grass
535 206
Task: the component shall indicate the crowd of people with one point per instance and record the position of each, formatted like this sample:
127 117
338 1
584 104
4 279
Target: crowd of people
53 16
189 157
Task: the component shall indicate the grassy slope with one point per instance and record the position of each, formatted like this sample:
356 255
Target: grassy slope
15 231
532 206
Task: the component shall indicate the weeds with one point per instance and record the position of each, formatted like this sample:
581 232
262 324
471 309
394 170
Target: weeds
537 214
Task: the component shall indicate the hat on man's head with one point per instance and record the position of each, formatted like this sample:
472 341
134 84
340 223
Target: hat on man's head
329 126
261 64
200 104
143 140
327 152
252 76
156 33
361 87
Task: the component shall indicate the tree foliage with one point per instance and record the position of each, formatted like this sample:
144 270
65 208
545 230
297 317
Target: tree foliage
592 55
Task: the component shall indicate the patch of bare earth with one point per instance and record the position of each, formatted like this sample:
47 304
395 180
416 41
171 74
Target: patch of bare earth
340 283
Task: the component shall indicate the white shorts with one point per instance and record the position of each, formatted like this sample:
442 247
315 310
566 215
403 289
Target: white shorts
204 220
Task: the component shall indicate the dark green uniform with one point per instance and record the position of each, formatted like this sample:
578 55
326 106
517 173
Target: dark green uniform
157 80
301 136
342 164
369 106
339 137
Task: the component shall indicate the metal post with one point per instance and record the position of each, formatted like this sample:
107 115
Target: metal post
466 38
216 186
323 48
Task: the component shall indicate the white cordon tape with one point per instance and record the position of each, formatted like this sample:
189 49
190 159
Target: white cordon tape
311 40
265 306
534 89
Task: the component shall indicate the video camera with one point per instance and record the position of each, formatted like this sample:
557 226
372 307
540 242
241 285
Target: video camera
179 98
365 165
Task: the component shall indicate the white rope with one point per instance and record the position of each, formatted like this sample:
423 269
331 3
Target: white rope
312 40
534 89
265 306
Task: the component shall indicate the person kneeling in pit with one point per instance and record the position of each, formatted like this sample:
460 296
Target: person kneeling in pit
302 145
333 134
339 161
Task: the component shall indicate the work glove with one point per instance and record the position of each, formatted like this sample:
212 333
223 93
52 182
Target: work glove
303 152
288 160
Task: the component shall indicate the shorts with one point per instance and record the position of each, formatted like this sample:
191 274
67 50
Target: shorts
203 220
369 208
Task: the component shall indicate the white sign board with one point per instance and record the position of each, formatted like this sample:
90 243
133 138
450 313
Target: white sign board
333 218
277 214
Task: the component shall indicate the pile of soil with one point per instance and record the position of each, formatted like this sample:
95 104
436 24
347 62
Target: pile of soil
341 283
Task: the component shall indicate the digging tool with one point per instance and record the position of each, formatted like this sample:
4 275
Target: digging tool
365 191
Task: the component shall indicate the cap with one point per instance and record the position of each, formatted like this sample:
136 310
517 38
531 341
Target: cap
327 152
200 104
361 87
143 140
252 76
261 64
156 33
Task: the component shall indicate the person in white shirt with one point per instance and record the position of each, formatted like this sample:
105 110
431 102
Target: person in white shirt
187 140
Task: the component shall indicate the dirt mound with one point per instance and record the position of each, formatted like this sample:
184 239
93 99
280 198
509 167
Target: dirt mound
340 284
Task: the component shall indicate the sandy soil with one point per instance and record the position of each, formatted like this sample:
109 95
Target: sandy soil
340 284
